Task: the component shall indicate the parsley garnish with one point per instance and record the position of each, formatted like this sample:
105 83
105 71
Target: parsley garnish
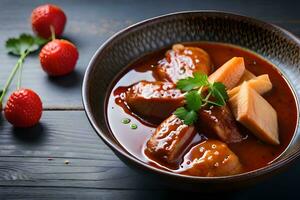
216 95
190 83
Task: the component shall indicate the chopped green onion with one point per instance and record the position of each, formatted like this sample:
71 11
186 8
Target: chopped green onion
126 121
133 126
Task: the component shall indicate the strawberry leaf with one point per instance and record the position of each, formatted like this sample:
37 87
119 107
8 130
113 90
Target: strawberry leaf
24 43
20 46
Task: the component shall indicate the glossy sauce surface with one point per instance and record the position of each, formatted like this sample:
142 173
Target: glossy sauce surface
251 152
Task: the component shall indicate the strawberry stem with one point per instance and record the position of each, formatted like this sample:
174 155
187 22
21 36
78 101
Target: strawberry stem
20 71
12 74
52 32
8 82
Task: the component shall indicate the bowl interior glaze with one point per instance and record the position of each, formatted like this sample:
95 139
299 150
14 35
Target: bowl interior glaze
273 43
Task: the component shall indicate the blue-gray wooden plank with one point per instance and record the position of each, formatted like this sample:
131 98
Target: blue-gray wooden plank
94 172
90 23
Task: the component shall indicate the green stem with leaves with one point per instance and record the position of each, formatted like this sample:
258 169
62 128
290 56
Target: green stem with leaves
20 46
215 94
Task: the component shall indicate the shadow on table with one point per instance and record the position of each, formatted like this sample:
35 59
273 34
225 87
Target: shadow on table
281 186
1 118
182 195
71 38
250 193
71 80
32 135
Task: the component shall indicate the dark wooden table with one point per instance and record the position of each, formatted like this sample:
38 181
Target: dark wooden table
64 132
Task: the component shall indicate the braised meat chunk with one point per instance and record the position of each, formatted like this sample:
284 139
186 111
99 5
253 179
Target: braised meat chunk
181 62
219 121
154 99
211 158
170 140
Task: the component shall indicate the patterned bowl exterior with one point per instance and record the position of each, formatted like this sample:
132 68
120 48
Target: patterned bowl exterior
277 45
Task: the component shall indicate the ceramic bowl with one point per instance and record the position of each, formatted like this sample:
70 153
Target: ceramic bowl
273 43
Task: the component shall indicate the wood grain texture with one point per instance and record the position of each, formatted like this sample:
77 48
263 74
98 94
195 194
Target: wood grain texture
91 23
64 133
93 170
90 194
24 156
82 193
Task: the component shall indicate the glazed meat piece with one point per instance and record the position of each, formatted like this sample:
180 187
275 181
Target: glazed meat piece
154 99
181 62
219 121
170 140
211 158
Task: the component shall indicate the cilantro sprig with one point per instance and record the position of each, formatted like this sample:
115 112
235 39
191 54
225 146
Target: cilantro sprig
21 46
199 93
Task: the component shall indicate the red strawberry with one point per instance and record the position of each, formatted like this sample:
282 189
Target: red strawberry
46 15
23 108
58 57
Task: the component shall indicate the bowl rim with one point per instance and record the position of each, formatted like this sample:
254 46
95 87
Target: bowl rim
274 166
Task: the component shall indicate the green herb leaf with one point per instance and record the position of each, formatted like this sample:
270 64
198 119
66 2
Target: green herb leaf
24 43
193 100
191 117
218 91
181 112
201 78
188 117
40 41
190 83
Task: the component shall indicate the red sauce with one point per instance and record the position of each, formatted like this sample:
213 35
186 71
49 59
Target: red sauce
252 153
